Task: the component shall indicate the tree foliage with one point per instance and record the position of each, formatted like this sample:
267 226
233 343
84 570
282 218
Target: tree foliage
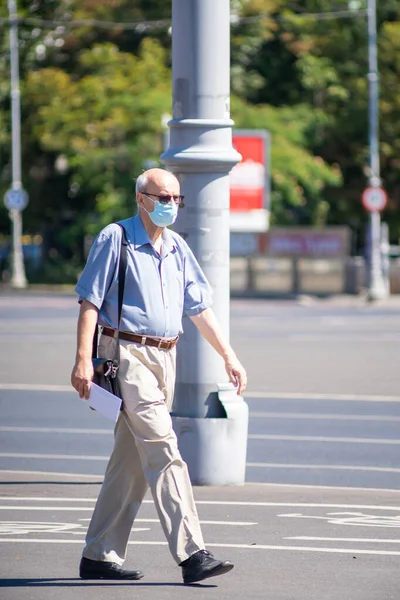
304 58
104 123
298 177
94 91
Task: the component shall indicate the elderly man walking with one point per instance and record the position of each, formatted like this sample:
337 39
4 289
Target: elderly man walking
163 282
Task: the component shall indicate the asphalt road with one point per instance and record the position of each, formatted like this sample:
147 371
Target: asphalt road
317 517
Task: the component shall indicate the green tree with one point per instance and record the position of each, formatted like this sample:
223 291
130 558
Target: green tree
299 179
93 96
107 124
302 58
99 174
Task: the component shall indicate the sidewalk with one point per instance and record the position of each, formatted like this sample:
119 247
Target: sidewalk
343 300
349 300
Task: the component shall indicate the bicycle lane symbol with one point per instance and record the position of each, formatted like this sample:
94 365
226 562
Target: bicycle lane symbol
26 527
357 519
37 527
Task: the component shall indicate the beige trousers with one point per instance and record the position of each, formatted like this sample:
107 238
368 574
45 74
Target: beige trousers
145 454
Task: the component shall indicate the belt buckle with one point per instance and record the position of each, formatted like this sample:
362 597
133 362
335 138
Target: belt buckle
159 344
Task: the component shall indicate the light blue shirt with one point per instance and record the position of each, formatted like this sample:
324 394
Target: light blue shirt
158 289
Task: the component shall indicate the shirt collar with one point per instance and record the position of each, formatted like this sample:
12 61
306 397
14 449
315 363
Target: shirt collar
141 236
168 240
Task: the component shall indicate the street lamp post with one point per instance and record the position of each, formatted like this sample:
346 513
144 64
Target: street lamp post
16 198
377 289
209 418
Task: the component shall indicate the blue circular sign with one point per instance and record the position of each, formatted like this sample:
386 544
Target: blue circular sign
16 199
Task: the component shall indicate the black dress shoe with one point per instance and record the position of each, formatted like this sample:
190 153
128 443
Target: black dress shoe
96 569
203 565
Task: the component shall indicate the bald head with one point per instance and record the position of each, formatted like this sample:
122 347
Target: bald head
150 186
158 178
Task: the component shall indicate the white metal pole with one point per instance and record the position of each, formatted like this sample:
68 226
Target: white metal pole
209 418
376 285
18 279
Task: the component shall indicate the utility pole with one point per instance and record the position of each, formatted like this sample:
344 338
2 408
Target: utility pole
16 198
210 420
377 288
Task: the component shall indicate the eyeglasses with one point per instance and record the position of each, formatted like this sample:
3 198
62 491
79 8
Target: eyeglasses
166 198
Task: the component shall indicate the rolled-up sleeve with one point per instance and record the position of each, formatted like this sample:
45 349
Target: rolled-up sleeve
97 276
198 292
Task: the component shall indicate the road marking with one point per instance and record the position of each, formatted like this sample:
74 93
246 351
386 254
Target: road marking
305 549
288 438
327 539
321 396
330 488
57 430
42 387
253 436
53 456
233 523
292 486
46 508
253 414
52 474
21 331
90 508
356 519
36 387
26 527
45 499
212 502
322 416
216 545
335 440
342 338
323 467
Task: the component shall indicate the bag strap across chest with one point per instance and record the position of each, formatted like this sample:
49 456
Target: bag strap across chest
121 287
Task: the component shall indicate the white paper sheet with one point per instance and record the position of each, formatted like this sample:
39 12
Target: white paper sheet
105 403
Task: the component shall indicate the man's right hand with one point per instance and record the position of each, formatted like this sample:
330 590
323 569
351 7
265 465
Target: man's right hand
81 377
82 373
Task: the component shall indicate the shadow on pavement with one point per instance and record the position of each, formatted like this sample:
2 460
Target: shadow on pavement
26 483
76 582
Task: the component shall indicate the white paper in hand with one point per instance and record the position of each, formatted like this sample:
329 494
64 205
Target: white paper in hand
105 403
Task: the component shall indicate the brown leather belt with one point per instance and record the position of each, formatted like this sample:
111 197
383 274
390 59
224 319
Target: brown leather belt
145 340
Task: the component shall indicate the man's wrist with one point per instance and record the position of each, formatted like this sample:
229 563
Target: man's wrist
229 355
83 357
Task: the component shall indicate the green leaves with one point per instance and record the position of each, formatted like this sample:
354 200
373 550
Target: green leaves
308 57
118 97
95 95
298 178
106 121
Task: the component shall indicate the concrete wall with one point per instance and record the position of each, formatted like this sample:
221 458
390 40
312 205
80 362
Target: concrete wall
263 275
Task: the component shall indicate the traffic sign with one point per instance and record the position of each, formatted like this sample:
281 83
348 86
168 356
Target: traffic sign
16 199
374 198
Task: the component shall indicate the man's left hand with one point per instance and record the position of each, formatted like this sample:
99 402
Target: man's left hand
236 373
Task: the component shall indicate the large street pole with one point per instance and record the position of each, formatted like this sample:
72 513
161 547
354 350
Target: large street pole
209 418
17 198
377 289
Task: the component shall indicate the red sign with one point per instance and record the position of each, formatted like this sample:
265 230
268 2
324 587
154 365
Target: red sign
374 198
248 179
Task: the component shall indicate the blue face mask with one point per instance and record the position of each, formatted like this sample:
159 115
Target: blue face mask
163 214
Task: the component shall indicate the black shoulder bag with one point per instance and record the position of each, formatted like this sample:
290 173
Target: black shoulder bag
106 370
